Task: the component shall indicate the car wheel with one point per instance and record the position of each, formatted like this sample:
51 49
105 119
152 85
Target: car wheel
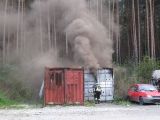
141 102
128 98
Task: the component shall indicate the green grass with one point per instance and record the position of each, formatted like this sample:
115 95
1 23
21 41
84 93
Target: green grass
121 101
89 103
6 102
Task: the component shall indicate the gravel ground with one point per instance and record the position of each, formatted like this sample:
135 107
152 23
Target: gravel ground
98 112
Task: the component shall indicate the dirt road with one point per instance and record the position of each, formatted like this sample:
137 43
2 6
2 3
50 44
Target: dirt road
98 112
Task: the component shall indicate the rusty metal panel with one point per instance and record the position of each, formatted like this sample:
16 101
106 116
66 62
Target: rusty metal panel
54 86
74 87
63 86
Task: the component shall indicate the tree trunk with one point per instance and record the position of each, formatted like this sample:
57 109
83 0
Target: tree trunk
134 32
138 32
147 20
152 28
4 34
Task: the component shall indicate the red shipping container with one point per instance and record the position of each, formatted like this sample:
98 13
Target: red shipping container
63 86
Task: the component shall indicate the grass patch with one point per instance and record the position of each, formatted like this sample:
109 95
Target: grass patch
122 101
89 103
6 102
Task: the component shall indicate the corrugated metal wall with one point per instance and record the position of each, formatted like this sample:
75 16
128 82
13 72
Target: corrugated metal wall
88 86
63 86
105 80
54 86
74 86
104 77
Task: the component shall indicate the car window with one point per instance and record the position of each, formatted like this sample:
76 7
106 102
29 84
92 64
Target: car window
134 88
147 88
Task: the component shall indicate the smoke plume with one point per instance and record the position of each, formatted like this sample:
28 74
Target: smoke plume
55 33
47 26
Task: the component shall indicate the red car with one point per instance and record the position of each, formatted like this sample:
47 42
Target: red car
143 93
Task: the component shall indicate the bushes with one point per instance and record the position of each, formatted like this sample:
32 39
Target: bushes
146 67
4 101
131 73
11 83
120 81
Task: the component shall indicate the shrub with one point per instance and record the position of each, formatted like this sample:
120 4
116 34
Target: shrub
11 83
131 73
146 67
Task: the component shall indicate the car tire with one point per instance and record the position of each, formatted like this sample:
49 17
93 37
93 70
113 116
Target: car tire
141 101
128 98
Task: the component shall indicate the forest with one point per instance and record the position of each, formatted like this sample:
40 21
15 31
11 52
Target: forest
123 34
137 33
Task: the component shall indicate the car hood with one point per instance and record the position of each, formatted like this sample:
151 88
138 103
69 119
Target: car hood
152 93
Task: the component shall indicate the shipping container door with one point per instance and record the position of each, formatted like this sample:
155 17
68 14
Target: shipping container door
74 86
105 80
90 81
54 87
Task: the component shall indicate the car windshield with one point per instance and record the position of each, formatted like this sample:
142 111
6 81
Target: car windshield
147 88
